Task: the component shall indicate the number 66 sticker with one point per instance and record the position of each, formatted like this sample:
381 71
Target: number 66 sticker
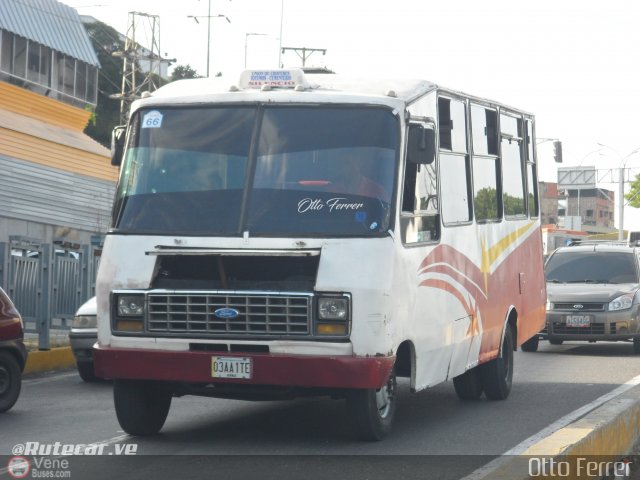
152 119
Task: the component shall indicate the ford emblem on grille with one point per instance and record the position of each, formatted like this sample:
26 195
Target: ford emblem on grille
578 306
226 313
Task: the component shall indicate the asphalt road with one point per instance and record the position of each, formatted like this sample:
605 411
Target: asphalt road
435 435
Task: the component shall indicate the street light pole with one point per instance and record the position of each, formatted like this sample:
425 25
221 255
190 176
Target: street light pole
280 39
208 36
246 37
208 17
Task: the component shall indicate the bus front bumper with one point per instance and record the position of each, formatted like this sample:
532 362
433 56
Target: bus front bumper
306 371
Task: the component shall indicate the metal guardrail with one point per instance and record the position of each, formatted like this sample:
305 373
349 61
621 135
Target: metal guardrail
48 281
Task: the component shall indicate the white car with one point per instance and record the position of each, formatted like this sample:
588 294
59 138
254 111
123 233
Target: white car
83 334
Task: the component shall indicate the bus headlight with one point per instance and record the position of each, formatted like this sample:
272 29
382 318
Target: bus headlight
129 312
130 305
333 316
333 308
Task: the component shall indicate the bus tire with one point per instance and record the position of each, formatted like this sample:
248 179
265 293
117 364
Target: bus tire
497 375
468 386
141 406
531 345
10 381
371 410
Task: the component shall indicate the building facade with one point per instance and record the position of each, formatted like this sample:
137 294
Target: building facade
549 202
57 184
593 208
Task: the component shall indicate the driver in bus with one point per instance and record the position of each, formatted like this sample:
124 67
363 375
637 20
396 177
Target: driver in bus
353 176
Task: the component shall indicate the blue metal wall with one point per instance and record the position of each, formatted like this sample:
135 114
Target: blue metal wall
48 282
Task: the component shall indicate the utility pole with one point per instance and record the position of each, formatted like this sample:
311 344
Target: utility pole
134 54
304 52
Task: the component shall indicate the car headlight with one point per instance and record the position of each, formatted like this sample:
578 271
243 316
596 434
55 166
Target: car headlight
130 305
85 321
623 302
333 316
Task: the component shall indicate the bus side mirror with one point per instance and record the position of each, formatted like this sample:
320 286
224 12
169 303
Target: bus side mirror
422 144
117 145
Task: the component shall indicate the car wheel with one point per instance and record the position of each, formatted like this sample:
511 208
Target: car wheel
497 375
636 344
553 341
141 406
468 386
531 345
86 372
371 410
10 381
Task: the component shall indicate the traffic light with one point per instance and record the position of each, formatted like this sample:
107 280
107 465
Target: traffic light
557 151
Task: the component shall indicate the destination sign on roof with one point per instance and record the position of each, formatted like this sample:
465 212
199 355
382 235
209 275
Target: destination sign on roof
272 78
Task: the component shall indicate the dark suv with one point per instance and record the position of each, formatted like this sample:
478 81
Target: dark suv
592 293
13 354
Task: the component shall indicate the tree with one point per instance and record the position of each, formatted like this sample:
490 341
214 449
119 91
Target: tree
634 195
105 40
181 72
486 203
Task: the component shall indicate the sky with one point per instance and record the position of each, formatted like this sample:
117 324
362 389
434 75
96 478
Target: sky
574 65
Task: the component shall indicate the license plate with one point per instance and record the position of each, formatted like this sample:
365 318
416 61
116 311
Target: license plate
231 367
578 321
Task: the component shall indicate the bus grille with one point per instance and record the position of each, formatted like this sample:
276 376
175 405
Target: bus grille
257 315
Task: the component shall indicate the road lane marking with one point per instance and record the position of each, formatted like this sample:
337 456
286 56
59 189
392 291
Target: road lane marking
485 470
36 381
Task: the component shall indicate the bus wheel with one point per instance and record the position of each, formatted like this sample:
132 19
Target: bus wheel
531 345
141 406
468 386
371 410
497 374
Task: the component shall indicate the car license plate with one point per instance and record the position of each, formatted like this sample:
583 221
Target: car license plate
578 321
231 367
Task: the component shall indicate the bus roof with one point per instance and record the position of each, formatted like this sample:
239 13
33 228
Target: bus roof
293 85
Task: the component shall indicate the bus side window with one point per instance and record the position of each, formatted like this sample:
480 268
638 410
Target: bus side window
454 164
513 173
486 166
532 172
420 219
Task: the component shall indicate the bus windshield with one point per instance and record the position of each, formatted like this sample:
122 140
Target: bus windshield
275 170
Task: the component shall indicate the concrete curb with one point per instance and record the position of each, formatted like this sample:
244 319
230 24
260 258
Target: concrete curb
47 360
606 434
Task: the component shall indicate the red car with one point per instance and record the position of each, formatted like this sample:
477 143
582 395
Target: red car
13 354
